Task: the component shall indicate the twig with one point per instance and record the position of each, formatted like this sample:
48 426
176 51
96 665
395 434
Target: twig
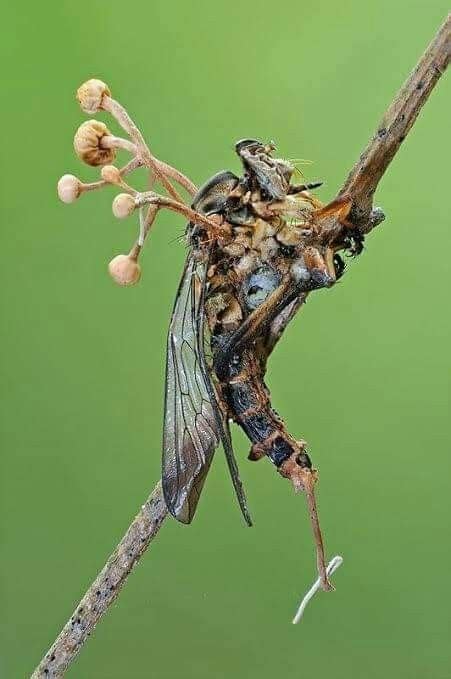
359 187
365 175
394 126
105 587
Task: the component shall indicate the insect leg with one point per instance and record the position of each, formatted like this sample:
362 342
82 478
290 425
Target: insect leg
298 188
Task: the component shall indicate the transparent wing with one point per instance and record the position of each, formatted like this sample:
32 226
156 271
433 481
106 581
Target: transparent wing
194 423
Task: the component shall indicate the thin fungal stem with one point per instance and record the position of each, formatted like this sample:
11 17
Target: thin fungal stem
145 222
177 176
132 165
110 141
149 197
331 568
143 151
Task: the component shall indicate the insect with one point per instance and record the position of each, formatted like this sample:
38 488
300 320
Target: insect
242 282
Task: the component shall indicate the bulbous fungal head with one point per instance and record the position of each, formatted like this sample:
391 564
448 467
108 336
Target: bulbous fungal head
90 95
111 174
69 188
124 270
123 205
87 144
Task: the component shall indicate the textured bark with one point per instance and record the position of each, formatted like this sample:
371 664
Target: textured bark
364 177
105 588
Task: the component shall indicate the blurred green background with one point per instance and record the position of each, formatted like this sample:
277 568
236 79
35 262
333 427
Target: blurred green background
363 373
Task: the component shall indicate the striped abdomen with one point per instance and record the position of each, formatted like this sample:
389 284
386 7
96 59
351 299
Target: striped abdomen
248 400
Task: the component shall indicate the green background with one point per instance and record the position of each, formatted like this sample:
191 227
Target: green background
362 374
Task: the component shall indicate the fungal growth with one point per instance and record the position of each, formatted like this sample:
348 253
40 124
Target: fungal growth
258 244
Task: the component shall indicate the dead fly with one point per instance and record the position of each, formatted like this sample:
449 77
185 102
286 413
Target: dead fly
258 244
243 280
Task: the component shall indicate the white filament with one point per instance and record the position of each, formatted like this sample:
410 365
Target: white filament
331 568
142 227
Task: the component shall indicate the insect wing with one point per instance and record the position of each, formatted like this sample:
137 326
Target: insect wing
191 427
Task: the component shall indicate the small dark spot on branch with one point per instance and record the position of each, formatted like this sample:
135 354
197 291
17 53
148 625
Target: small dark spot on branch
382 132
401 138
420 85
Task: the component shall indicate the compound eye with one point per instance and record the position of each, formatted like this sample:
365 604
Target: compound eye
212 196
247 143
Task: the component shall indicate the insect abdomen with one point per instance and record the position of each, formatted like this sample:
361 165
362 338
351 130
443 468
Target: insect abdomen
249 403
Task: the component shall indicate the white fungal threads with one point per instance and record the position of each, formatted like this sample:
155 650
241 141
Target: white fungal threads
331 568
142 227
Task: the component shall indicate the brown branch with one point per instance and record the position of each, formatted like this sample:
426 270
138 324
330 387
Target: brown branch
359 187
105 588
364 177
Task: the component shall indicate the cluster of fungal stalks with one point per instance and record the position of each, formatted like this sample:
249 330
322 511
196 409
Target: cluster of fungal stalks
97 146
